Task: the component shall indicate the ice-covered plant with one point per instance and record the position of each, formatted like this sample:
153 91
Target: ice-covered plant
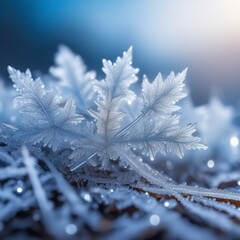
45 117
116 135
108 135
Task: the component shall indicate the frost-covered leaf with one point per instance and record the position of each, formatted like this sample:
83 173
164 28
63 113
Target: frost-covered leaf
108 116
44 116
73 76
119 77
148 132
165 137
161 95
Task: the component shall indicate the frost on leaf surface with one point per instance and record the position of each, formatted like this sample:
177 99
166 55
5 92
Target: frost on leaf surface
45 117
108 116
155 127
161 96
119 77
72 74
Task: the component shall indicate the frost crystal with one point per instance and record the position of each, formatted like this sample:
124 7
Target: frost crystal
101 135
44 117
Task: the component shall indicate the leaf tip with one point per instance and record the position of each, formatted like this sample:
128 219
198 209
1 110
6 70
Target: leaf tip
130 49
11 70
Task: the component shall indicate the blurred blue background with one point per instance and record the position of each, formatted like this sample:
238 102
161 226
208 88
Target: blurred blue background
203 35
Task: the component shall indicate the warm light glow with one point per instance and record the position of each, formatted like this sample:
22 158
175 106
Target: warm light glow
234 141
212 22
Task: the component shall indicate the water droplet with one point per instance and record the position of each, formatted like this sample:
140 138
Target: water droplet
154 220
166 204
87 197
71 229
19 190
210 163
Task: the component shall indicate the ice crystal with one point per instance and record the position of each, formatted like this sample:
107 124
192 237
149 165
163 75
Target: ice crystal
44 118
